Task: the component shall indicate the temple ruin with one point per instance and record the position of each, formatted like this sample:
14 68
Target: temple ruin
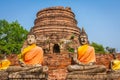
57 33
54 28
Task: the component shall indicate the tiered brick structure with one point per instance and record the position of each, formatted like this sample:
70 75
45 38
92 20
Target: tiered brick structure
57 32
55 26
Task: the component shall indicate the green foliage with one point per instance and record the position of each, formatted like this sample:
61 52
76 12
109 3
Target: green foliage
110 50
71 50
72 37
98 48
12 36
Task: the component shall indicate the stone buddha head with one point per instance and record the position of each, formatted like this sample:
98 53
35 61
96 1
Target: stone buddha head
31 39
83 38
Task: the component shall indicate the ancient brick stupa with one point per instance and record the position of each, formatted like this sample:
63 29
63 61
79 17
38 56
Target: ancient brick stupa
54 27
57 33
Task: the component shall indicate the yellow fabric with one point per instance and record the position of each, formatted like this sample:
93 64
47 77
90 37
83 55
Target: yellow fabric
86 54
116 65
4 64
82 50
20 56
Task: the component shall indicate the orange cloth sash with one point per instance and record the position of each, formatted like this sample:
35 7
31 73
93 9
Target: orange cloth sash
20 56
86 54
32 55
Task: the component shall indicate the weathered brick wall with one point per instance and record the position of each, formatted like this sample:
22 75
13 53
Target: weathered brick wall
55 19
104 59
57 64
57 74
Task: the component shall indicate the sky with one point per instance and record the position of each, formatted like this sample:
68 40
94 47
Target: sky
100 18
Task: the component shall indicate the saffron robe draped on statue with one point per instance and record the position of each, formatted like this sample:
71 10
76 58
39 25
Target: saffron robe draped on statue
116 64
32 55
4 64
86 54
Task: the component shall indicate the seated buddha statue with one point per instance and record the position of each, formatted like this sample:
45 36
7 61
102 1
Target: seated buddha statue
30 59
115 63
85 57
32 54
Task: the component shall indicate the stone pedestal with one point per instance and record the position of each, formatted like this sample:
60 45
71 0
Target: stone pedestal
83 76
86 72
20 73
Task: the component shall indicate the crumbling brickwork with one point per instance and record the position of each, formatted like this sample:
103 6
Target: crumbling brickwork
57 65
54 27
